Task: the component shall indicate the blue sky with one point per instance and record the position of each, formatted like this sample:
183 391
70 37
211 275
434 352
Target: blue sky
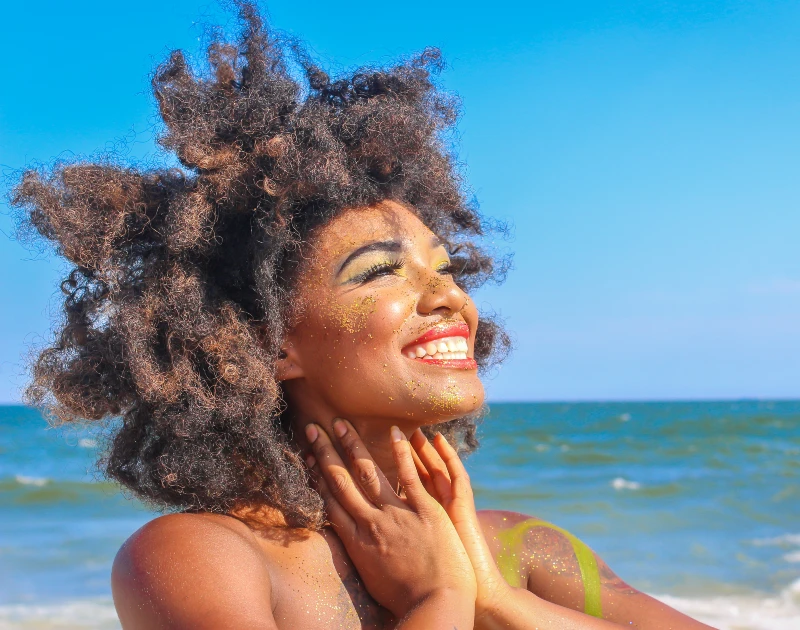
647 155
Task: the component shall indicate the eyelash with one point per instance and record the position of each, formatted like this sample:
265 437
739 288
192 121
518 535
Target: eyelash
379 269
384 268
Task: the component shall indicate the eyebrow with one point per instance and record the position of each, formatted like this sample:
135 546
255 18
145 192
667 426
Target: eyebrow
381 246
377 246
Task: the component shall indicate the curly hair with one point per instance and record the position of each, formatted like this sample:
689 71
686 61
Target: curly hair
176 303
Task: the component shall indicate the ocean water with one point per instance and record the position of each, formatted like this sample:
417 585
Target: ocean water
695 503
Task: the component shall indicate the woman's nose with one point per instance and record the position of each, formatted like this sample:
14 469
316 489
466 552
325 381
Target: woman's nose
440 294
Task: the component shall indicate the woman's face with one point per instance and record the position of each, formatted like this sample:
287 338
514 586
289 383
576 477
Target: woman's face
382 330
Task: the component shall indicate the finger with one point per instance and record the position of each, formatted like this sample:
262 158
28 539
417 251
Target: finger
433 464
406 470
423 475
336 476
363 468
460 483
336 514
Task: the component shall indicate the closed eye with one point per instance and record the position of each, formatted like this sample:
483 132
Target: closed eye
377 270
446 268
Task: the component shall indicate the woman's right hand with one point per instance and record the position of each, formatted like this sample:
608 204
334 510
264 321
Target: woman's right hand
405 549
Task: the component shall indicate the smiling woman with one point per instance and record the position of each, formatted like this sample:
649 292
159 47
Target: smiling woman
377 285
310 262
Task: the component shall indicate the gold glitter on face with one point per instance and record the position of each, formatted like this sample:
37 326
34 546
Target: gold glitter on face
447 401
413 387
375 280
353 317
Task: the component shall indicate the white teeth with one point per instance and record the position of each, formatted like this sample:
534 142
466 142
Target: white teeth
452 348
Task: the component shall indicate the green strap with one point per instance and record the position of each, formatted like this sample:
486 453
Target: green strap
508 562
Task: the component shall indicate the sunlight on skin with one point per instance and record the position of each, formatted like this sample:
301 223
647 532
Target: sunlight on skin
509 558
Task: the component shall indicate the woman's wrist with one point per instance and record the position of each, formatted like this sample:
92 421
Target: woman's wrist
492 608
443 607
462 595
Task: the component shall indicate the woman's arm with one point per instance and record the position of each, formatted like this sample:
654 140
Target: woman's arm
193 571
559 568
580 591
444 609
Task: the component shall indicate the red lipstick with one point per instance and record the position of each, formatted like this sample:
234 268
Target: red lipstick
442 331
452 329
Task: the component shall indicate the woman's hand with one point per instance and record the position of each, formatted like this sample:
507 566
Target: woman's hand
406 550
446 479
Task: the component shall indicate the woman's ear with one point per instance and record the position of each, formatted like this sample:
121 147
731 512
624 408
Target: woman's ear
288 366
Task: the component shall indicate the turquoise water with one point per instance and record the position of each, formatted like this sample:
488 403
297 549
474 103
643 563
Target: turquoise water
697 503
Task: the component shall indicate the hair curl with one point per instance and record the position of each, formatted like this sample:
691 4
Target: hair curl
176 305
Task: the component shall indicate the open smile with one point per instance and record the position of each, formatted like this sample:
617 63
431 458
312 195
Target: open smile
445 346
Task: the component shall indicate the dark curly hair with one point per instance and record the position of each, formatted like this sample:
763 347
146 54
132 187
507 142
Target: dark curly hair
176 304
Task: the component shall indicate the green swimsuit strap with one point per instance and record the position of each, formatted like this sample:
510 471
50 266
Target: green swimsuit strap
508 562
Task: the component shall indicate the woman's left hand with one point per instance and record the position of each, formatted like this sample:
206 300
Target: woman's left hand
445 478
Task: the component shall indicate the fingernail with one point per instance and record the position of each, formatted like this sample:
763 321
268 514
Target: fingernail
312 433
310 461
339 428
396 434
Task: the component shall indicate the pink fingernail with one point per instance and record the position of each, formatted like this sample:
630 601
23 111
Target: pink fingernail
396 434
339 428
310 461
312 433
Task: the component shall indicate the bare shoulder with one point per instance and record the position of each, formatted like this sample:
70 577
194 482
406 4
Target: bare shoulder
549 560
557 566
192 570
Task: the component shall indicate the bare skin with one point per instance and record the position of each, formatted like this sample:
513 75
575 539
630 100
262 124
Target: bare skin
375 280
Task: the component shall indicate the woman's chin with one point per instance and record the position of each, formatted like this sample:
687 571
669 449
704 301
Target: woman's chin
453 400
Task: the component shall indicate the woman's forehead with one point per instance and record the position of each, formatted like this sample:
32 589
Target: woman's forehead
387 221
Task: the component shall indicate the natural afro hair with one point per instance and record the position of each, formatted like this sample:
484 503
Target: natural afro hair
176 304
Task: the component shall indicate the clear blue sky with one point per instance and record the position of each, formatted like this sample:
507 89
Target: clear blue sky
647 153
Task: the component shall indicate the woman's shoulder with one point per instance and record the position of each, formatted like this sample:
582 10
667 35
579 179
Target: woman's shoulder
549 561
540 556
194 570
189 539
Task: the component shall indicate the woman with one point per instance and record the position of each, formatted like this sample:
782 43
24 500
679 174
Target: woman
309 263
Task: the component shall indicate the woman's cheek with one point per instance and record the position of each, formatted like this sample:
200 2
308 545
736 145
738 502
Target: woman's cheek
353 316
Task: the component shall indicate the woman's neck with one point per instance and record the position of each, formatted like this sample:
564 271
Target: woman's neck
374 433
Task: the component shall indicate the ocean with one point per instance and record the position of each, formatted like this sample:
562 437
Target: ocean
697 503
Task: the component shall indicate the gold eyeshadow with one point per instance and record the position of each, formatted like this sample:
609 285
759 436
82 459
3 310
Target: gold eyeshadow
369 260
366 262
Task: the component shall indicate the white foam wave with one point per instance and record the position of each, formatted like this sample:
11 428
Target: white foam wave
85 614
743 612
624 484
31 481
87 443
